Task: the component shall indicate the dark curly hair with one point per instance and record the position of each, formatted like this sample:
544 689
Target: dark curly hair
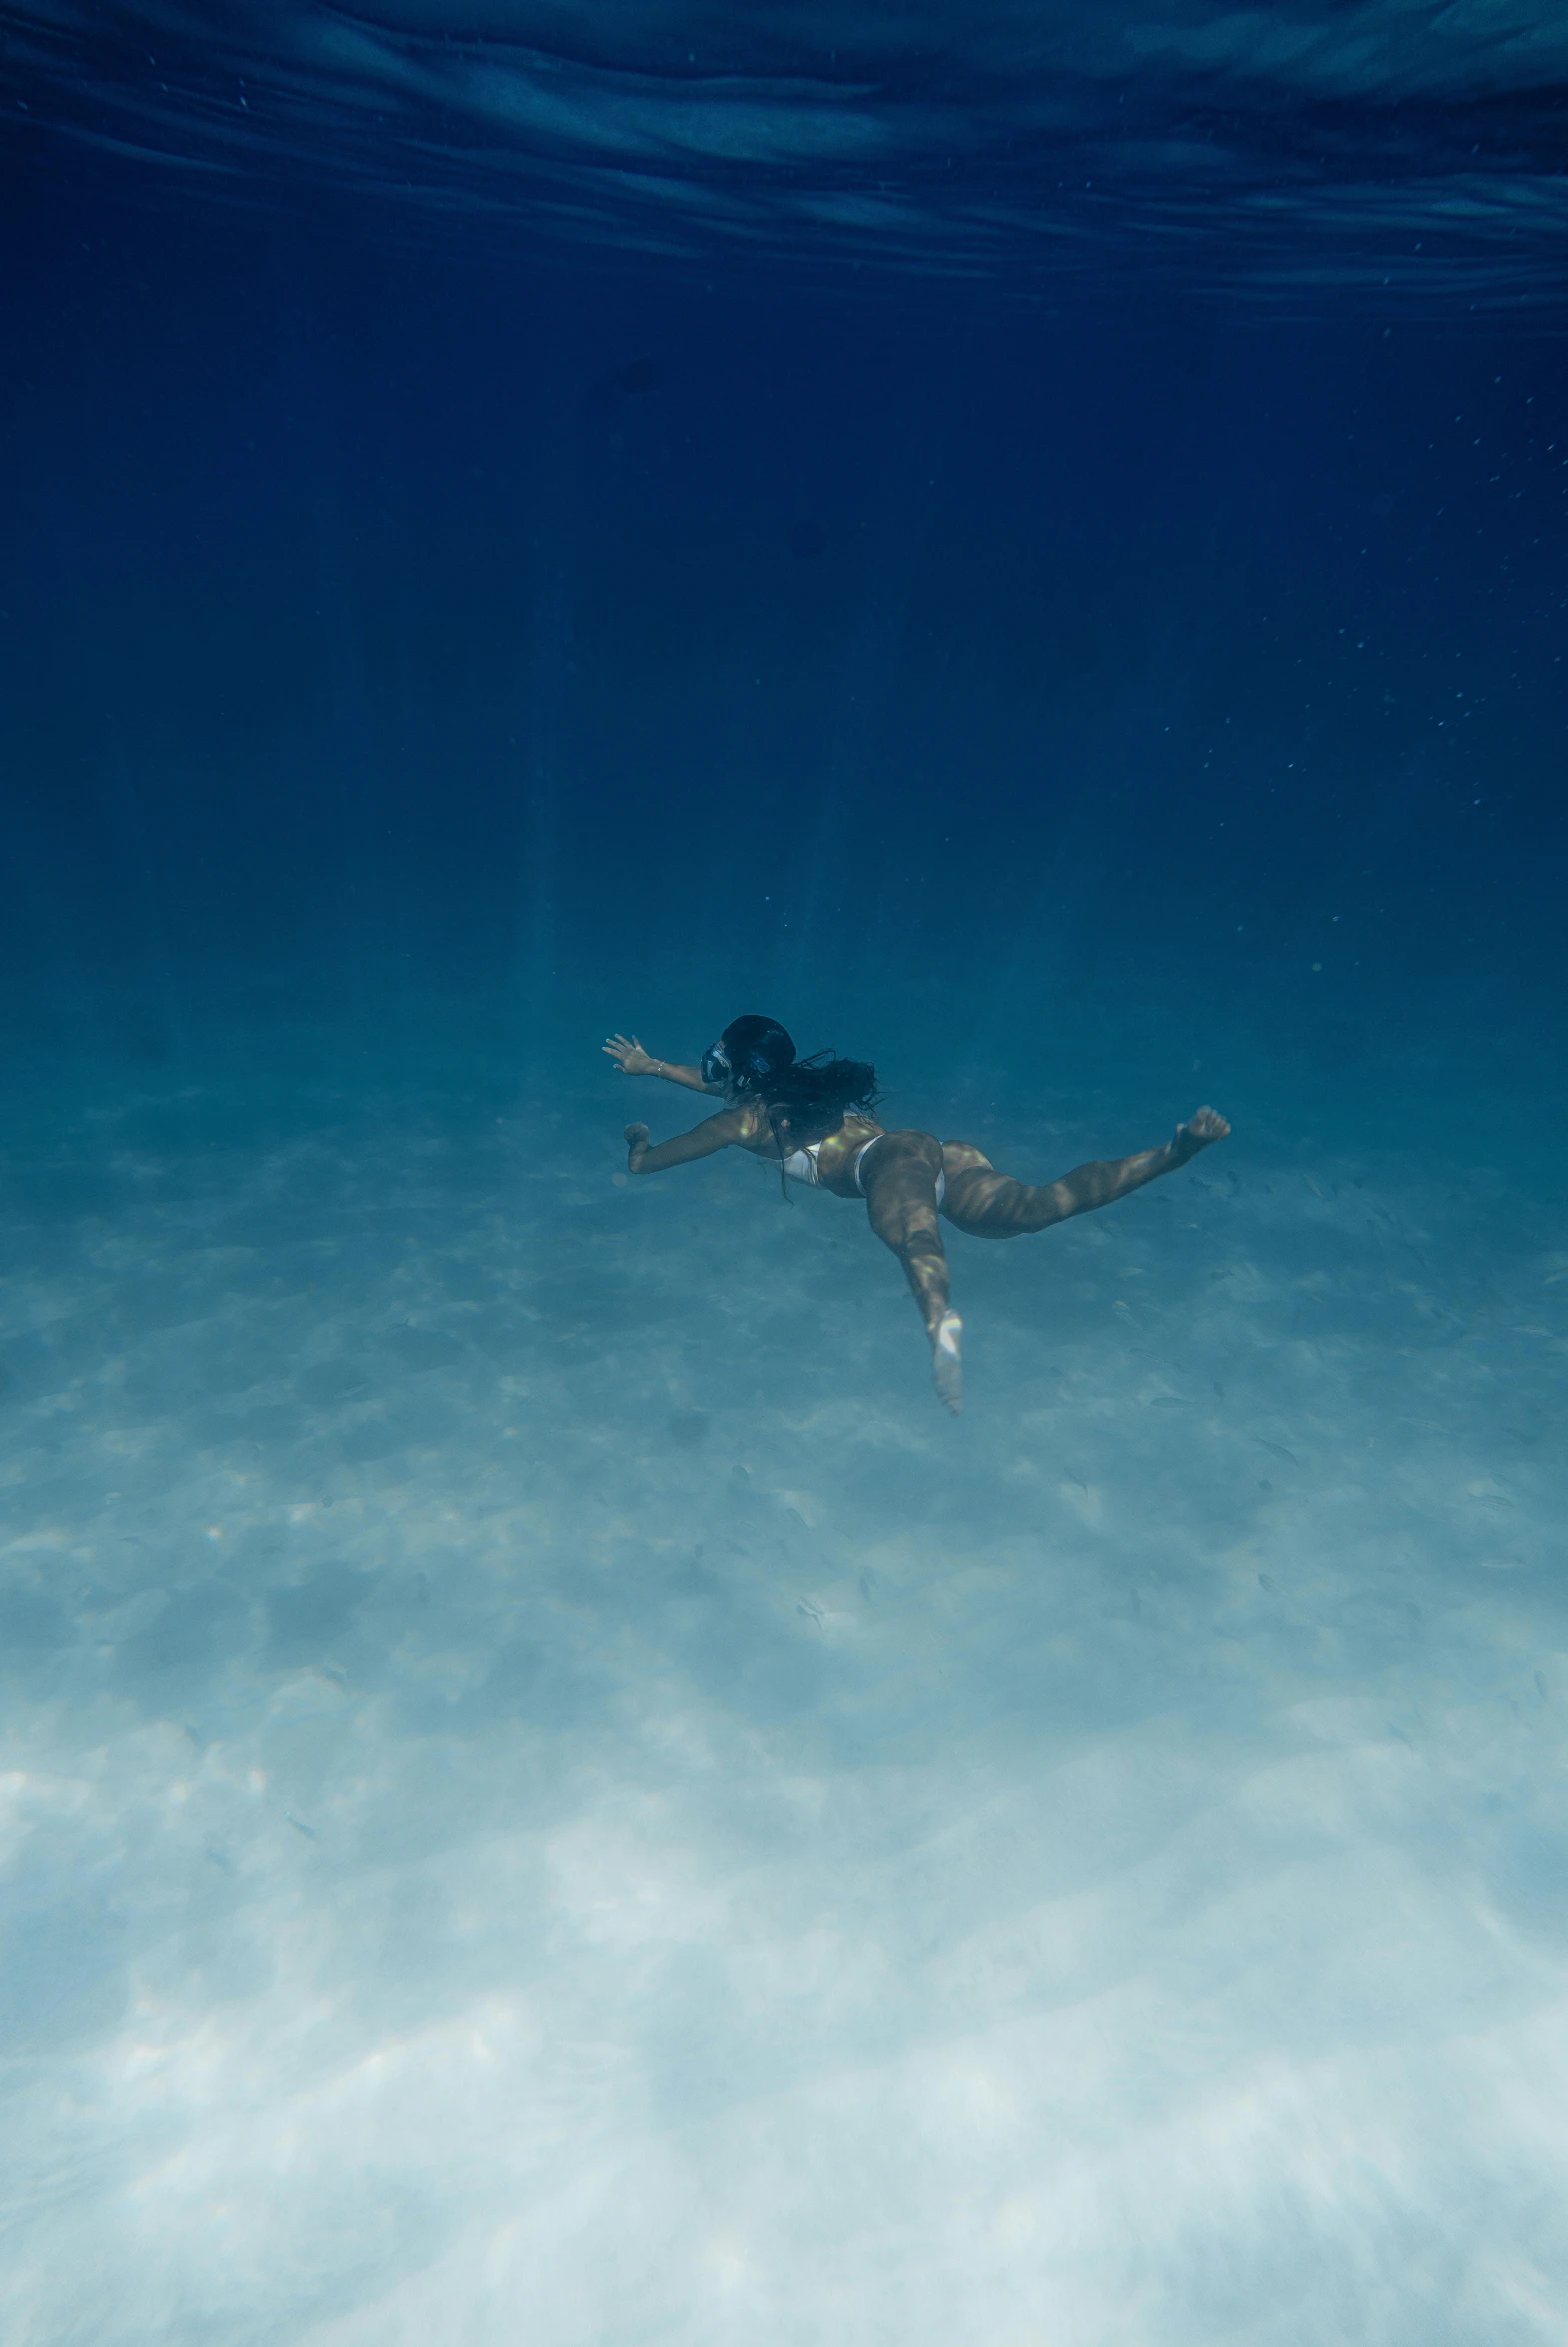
806 1100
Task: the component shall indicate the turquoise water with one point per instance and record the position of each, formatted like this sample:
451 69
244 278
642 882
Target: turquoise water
547 1789
547 1782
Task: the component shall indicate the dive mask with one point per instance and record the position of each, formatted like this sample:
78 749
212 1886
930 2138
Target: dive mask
716 1066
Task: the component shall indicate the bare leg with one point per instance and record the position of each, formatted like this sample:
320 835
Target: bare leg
990 1204
900 1190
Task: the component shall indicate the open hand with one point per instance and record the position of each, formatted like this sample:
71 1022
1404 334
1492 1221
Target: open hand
628 1055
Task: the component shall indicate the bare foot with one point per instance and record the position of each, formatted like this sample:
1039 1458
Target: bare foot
1201 1130
947 1362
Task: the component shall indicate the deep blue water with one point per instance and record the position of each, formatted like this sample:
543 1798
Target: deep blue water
545 1789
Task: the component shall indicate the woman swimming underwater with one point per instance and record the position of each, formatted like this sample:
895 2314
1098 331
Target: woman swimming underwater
812 1117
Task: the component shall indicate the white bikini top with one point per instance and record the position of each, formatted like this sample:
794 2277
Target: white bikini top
801 1164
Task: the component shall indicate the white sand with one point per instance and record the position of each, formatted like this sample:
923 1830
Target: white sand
548 1793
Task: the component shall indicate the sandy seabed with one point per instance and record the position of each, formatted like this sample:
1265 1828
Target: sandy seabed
547 1792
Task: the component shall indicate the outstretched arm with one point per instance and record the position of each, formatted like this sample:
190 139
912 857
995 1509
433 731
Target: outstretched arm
630 1059
715 1132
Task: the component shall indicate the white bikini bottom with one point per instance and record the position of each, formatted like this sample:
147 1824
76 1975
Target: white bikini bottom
801 1166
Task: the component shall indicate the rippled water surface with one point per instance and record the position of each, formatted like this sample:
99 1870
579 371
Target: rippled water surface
1388 146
